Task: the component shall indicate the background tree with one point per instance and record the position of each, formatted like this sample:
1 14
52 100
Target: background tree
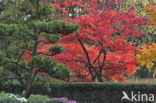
148 56
141 11
27 31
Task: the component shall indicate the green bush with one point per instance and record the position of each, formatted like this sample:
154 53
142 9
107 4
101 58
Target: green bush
11 98
99 92
41 99
15 98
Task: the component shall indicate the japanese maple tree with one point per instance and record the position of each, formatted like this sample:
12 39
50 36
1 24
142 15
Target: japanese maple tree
100 51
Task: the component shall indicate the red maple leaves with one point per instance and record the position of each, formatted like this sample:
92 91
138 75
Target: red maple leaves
99 51
101 45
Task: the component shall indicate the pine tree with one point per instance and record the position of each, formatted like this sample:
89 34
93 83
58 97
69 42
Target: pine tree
31 25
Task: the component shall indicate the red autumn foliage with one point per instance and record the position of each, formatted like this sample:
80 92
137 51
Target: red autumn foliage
103 38
100 50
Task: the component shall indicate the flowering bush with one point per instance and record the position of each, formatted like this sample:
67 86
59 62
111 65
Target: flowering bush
11 98
15 98
64 99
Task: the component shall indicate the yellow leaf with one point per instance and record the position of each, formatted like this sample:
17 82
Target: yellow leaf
138 56
149 64
142 62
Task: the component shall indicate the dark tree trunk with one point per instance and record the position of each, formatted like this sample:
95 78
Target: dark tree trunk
31 77
28 88
0 44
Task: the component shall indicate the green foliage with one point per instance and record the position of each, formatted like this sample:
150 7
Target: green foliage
1 69
11 98
15 9
23 26
22 37
9 9
55 26
7 30
62 71
51 38
41 84
15 98
23 33
46 10
98 92
62 27
43 62
50 66
56 49
39 99
2 55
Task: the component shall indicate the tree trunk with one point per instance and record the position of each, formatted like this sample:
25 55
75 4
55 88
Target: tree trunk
29 83
0 43
30 75
100 79
28 89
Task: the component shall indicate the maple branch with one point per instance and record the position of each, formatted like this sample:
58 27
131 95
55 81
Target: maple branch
98 56
90 71
104 58
104 52
88 58
99 61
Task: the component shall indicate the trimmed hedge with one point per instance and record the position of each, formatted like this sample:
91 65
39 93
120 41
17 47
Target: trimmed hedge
89 92
99 92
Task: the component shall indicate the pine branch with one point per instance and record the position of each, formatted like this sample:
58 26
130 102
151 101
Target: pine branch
22 66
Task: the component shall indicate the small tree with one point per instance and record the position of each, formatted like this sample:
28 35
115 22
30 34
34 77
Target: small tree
32 26
101 51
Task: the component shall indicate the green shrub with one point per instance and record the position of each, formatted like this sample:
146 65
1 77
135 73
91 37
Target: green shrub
39 99
11 98
99 92
15 98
